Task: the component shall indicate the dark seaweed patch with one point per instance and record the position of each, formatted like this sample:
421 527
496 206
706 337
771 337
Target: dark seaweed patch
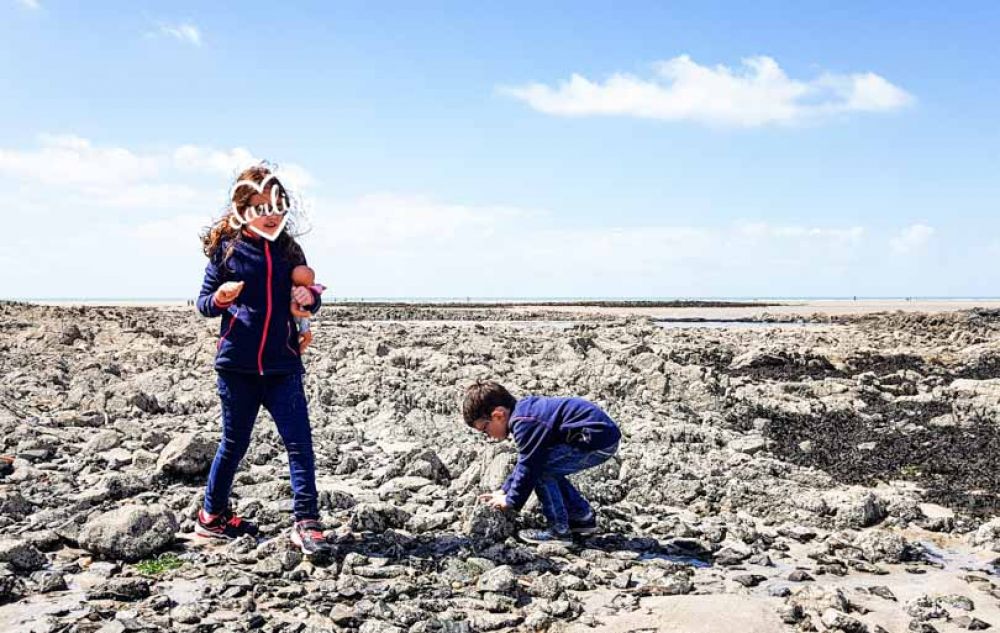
958 467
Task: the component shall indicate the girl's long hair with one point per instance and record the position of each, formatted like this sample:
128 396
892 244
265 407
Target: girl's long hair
221 232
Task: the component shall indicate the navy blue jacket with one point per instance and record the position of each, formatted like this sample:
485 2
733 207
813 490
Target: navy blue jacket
258 334
539 423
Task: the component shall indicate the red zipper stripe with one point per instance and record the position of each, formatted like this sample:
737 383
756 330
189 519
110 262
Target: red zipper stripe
267 316
232 321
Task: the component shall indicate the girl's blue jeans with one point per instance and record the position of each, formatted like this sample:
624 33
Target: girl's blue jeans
283 396
560 501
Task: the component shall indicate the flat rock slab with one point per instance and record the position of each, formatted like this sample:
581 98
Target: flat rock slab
694 614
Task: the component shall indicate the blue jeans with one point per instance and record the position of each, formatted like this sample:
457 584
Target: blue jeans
560 501
283 396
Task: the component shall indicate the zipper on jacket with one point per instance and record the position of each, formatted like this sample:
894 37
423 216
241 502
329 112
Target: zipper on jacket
232 322
267 315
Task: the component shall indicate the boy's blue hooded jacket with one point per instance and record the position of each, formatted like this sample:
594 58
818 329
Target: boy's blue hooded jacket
539 423
258 334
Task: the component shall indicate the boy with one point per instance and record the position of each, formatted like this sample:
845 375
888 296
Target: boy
555 437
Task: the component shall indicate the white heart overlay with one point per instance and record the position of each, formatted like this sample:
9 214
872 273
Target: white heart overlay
252 213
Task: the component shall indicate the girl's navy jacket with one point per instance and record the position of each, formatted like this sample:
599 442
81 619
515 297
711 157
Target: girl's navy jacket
258 334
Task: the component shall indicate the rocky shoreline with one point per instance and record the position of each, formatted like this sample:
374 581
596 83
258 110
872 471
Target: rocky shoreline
838 477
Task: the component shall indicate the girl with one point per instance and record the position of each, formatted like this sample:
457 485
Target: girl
248 282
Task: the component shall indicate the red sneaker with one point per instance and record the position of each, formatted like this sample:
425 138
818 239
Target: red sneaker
308 536
225 526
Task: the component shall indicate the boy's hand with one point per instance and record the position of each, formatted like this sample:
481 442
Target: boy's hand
228 292
496 500
303 296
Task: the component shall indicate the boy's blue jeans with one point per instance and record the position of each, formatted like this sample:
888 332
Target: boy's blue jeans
560 501
283 396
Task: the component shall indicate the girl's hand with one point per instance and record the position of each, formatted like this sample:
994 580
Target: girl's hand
228 292
303 296
496 500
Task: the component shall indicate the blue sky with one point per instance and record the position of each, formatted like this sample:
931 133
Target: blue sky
445 149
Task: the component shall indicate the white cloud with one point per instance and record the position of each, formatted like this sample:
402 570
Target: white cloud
73 161
387 221
189 224
118 177
760 230
183 32
222 162
30 4
758 93
106 221
125 221
911 239
395 245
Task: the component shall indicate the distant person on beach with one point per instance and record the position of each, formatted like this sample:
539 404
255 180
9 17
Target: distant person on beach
555 437
248 282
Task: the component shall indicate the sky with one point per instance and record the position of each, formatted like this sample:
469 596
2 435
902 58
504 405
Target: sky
510 149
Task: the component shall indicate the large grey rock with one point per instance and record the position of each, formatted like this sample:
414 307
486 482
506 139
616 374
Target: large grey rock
21 555
838 621
402 488
129 533
988 535
103 441
187 455
377 517
816 599
378 626
878 546
422 523
121 589
970 623
426 463
497 466
498 580
48 581
483 521
11 588
756 359
855 507
749 444
13 505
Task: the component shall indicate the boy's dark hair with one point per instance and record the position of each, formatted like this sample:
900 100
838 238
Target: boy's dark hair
481 397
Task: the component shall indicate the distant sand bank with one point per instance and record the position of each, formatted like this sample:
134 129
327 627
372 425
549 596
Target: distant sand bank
711 310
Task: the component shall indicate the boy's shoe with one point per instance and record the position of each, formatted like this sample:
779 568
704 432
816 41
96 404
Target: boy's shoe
584 527
546 536
308 536
225 526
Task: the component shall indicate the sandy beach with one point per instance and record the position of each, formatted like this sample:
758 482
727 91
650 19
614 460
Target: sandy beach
772 478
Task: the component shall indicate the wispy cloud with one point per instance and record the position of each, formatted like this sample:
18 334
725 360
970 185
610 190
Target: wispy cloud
73 167
80 209
183 32
419 246
757 93
30 4
140 204
911 239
